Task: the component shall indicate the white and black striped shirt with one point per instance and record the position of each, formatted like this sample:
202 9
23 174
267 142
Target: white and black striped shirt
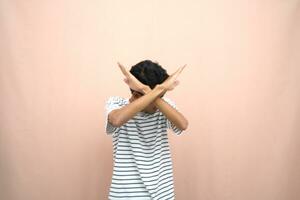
142 160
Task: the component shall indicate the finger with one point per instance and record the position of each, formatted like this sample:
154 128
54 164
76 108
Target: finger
180 70
123 69
177 71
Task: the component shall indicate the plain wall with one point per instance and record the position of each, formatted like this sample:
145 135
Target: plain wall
240 92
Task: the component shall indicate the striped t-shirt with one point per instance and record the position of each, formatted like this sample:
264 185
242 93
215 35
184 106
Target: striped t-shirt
142 160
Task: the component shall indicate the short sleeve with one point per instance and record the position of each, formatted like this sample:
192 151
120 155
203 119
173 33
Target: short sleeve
170 125
111 104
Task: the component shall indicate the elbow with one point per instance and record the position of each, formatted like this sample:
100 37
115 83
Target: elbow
185 125
115 121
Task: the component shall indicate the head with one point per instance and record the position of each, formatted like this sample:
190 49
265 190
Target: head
149 73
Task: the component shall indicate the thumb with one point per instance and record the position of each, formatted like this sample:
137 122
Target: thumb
176 83
126 80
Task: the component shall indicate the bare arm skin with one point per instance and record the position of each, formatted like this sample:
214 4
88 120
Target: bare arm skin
120 116
171 113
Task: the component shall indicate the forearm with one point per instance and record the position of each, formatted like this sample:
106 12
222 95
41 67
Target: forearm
172 114
122 115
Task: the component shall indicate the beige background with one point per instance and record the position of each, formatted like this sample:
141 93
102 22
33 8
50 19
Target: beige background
240 93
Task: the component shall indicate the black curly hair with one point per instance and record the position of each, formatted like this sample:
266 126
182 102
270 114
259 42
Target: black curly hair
149 73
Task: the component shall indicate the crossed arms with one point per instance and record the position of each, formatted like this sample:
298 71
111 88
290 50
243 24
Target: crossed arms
120 116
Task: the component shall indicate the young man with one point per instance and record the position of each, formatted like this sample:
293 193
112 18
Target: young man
138 126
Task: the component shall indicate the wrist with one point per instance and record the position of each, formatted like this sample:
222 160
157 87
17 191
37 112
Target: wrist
161 87
162 90
146 89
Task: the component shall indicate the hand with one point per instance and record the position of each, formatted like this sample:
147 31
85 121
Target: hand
172 81
131 81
